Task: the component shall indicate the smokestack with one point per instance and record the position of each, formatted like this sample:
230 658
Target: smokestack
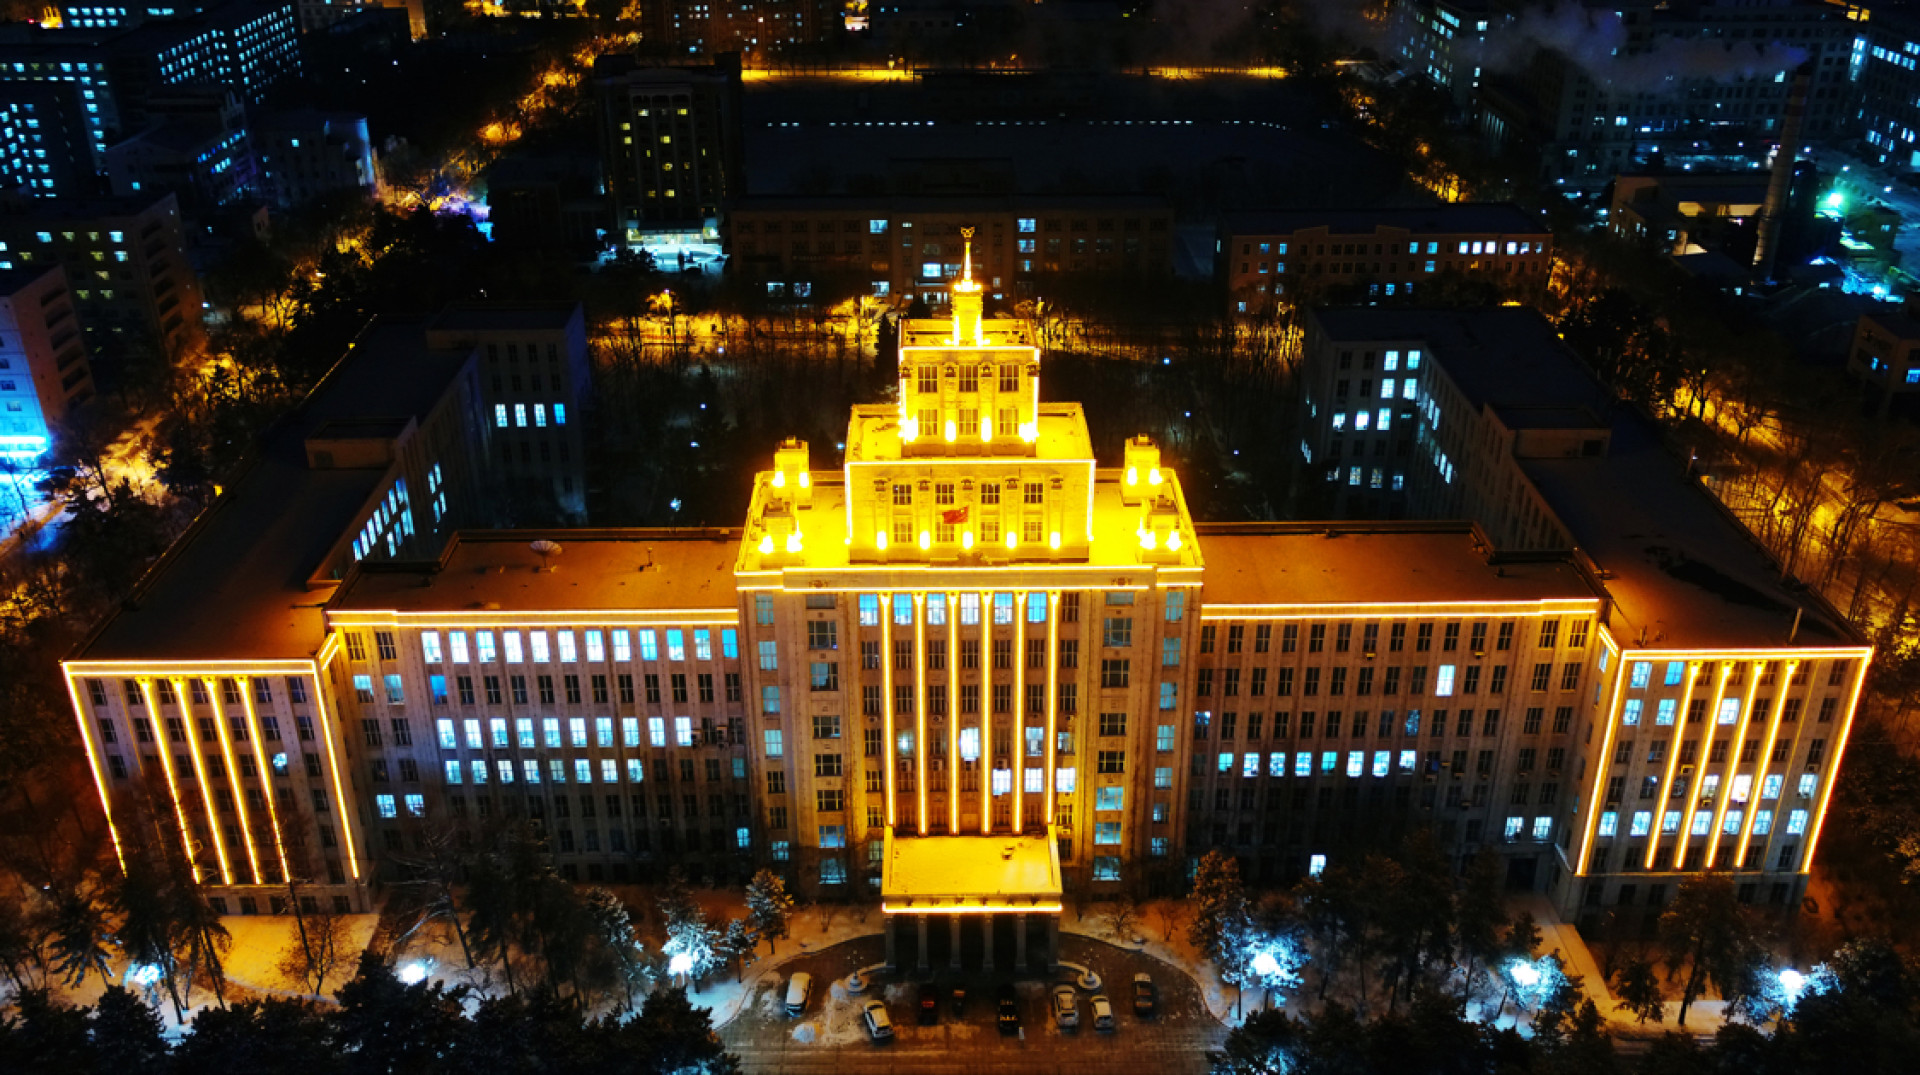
1775 207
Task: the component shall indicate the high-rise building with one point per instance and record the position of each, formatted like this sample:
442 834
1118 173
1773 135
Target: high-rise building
970 669
534 383
43 363
195 146
671 139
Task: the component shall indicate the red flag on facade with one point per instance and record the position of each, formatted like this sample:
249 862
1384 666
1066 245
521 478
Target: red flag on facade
954 516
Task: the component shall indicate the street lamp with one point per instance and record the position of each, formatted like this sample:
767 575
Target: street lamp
414 972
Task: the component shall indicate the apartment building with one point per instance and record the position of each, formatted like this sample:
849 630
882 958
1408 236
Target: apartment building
44 373
44 145
909 246
1305 254
534 384
1886 353
1443 42
125 260
971 669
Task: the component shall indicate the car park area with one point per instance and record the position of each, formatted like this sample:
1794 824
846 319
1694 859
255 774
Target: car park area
831 1036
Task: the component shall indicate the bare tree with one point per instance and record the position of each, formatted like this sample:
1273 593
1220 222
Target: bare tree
320 947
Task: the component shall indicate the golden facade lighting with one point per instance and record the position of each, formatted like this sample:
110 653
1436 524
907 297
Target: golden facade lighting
1726 791
1839 749
1019 760
1724 672
1760 764
1595 797
93 768
920 709
953 712
233 775
887 752
173 784
266 775
200 775
1673 758
333 771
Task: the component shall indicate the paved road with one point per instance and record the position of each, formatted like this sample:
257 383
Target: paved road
830 1040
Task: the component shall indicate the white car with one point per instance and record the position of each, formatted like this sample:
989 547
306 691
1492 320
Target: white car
1102 1012
1066 1007
879 1025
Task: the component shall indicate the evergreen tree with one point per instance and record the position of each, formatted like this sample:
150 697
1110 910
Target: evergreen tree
80 937
769 907
125 1033
1219 904
1639 991
262 1037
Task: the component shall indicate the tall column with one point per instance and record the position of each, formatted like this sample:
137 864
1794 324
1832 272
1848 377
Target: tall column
986 932
953 941
893 960
1053 941
920 921
1020 942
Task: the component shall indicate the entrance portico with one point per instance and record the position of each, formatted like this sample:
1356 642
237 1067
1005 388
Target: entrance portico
967 879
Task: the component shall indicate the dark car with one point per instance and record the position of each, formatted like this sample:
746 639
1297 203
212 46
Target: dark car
1009 1011
1144 1000
929 1004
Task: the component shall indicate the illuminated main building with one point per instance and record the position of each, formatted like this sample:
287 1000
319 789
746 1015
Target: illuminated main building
971 671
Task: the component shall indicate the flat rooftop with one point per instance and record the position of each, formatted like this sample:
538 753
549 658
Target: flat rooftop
1373 563
963 871
936 331
1676 565
234 586
824 527
636 569
873 436
1499 356
1500 218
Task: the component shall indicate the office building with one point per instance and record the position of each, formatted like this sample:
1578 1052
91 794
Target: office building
126 263
971 669
226 728
1443 42
760 31
45 149
534 375
1304 255
909 245
307 154
195 147
44 373
1749 680
1685 87
671 140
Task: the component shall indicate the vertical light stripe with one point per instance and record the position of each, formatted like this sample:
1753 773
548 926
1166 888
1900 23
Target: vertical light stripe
1733 765
1673 761
333 770
233 775
1724 672
1019 710
920 709
1760 764
266 773
886 701
1596 800
953 713
173 782
87 732
1832 774
200 774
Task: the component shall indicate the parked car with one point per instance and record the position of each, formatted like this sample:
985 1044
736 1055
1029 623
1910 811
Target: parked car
1009 1006
1144 998
929 1004
874 1014
1066 1007
1102 1012
799 989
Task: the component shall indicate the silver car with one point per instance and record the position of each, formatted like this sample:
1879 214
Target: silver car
1066 1007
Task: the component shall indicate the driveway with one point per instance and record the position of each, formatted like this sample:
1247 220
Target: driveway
829 1039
